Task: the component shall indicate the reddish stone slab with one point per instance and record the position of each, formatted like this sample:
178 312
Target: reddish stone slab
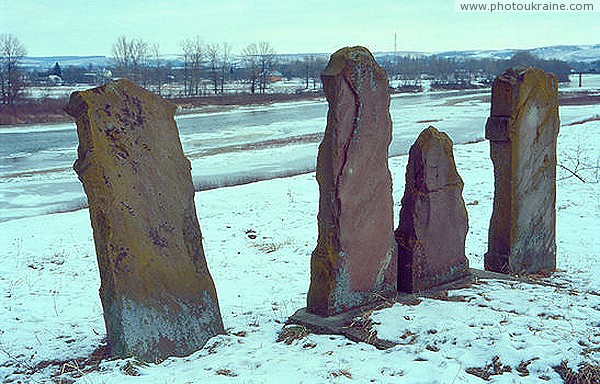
433 218
355 257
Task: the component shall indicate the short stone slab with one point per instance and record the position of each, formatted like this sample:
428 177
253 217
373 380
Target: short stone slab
158 297
354 261
523 129
433 218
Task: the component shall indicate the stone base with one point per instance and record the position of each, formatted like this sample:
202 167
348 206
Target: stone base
500 263
345 324
342 324
423 281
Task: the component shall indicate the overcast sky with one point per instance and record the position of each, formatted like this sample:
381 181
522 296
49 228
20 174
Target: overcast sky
82 27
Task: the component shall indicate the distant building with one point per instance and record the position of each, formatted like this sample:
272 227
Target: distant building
55 80
275 76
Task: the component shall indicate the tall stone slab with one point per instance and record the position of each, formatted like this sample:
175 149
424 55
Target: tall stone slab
158 297
433 218
522 130
355 258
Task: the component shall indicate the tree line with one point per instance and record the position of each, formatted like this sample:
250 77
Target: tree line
441 68
203 68
207 67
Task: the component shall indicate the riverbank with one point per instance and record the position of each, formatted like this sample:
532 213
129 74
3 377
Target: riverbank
50 110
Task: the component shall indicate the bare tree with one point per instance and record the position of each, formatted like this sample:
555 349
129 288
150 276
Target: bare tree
193 57
225 56
266 56
131 58
187 47
212 51
11 78
197 60
121 56
250 55
158 68
139 50
313 66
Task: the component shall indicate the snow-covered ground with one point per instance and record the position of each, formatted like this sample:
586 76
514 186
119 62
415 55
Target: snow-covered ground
50 312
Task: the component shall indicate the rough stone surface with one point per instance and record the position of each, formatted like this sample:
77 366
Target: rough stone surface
433 218
522 130
355 257
158 297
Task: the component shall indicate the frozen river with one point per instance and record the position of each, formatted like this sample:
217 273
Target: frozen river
225 148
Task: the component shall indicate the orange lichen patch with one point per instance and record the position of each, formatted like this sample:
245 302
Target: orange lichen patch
324 264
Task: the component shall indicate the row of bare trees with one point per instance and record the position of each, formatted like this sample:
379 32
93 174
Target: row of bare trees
12 85
133 58
259 60
207 67
203 63
216 61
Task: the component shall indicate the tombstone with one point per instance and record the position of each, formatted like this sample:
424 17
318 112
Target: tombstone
522 130
354 261
433 218
158 297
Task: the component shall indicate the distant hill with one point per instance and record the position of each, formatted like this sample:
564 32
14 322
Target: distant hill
570 53
66 61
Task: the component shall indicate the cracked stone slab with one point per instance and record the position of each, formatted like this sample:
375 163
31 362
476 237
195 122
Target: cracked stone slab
354 261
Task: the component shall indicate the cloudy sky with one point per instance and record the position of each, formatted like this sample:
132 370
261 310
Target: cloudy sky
78 27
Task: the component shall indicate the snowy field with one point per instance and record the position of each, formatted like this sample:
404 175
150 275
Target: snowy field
51 317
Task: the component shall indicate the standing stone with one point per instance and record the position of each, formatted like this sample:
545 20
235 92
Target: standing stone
433 218
522 130
158 297
355 258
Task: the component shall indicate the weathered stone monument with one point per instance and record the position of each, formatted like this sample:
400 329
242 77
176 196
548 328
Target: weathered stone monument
522 130
433 218
158 297
355 258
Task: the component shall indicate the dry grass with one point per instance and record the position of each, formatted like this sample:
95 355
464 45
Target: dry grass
34 111
341 372
225 372
577 98
586 373
494 368
50 110
292 332
189 103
